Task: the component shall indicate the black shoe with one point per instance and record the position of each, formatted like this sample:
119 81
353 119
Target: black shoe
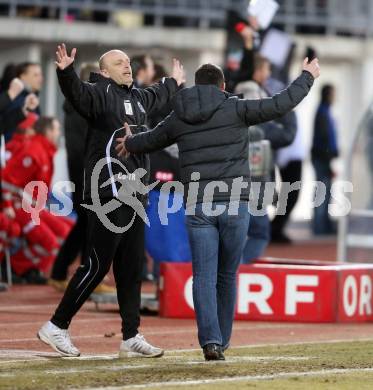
221 353
3 287
213 352
34 276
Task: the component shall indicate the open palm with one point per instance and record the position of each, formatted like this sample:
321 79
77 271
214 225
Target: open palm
178 72
63 59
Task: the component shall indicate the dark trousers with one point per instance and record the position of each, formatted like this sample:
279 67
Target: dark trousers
289 174
72 247
322 224
103 247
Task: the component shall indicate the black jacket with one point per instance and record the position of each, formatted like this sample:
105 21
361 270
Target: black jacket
9 118
106 106
210 128
324 145
14 114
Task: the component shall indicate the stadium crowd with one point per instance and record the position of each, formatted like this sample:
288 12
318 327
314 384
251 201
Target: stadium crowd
42 253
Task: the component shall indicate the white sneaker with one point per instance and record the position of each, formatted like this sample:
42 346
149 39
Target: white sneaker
58 339
138 347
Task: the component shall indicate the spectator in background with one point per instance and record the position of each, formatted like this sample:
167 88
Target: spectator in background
12 92
289 160
324 150
10 88
279 133
34 163
143 70
14 89
21 137
76 132
245 70
30 74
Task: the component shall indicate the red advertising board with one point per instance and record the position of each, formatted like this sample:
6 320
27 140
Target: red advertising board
281 291
355 294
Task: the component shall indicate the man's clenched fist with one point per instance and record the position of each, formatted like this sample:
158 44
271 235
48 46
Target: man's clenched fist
313 67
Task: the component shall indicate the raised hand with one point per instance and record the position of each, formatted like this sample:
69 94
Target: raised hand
253 21
31 102
63 59
121 147
247 33
15 88
178 72
313 67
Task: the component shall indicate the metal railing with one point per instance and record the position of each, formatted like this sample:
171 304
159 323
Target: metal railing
324 16
329 16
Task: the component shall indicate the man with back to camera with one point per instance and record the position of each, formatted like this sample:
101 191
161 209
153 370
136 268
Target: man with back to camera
106 102
210 128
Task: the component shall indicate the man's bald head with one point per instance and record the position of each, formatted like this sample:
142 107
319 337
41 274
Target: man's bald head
107 55
115 64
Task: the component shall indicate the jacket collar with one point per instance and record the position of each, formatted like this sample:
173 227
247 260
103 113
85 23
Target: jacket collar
95 77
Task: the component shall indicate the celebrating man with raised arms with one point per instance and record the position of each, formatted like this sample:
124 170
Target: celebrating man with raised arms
210 128
107 101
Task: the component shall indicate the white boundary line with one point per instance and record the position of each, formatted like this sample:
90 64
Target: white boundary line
172 351
337 371
182 361
311 342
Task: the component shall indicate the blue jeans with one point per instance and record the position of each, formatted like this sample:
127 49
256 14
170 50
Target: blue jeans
258 237
216 244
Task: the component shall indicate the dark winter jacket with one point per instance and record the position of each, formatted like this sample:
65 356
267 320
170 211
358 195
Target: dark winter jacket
107 106
13 115
324 146
9 118
210 128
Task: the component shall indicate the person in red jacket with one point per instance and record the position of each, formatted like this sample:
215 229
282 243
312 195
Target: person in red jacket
34 162
25 131
9 231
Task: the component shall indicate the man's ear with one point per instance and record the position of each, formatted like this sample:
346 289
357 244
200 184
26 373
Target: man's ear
223 86
105 73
